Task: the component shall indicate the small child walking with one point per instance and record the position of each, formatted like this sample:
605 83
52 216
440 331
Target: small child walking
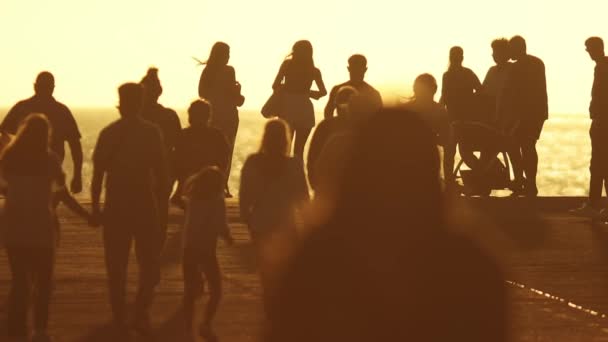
205 222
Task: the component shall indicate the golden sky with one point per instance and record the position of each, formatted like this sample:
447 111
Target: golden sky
92 46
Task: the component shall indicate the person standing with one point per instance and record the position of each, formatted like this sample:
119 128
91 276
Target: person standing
218 85
294 80
357 67
526 96
598 132
129 154
458 91
62 122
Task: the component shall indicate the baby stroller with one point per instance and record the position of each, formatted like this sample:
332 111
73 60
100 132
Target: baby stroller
491 170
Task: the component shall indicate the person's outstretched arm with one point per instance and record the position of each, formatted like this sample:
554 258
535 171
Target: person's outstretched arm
330 108
69 201
317 94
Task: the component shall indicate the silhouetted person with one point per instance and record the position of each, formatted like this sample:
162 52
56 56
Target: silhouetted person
130 155
294 81
218 85
198 146
272 187
205 222
357 67
62 122
327 128
383 267
33 177
526 96
433 113
167 121
496 80
458 95
598 132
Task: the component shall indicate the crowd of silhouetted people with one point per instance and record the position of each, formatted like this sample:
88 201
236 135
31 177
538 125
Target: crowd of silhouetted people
376 261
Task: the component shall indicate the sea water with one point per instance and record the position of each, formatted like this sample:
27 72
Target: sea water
564 148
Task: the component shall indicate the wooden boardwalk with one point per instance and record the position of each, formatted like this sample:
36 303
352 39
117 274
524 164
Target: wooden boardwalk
555 264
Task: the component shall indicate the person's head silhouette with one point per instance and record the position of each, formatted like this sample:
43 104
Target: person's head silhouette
199 113
130 99
152 86
219 55
45 84
425 88
275 141
33 136
500 51
302 53
456 57
343 98
517 47
207 183
595 48
357 67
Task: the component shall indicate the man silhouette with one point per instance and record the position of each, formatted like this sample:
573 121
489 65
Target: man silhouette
130 154
598 132
357 67
526 95
63 125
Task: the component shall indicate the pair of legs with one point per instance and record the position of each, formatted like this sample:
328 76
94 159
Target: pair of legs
194 263
118 238
31 269
524 156
599 162
524 159
299 136
229 130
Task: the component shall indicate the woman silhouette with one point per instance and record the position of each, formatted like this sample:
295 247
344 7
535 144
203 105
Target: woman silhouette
273 187
34 185
294 80
218 85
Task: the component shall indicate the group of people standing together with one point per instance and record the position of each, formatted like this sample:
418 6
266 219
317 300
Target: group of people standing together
359 172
